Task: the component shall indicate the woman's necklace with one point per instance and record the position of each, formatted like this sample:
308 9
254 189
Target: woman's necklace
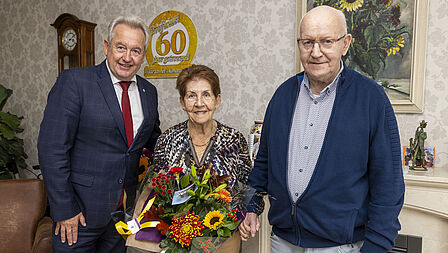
202 147
204 141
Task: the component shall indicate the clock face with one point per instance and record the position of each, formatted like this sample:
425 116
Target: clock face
69 39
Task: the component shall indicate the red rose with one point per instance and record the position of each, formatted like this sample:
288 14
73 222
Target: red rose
164 193
163 187
176 170
170 192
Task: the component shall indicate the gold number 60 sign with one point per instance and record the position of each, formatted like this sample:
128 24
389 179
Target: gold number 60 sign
172 44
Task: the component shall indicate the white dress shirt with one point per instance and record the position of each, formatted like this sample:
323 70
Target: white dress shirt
134 99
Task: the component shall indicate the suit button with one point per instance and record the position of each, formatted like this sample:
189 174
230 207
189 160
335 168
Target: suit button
120 181
127 154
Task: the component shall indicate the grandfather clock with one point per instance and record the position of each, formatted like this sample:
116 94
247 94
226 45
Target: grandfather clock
76 44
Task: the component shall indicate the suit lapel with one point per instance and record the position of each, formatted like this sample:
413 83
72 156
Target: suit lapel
110 96
145 99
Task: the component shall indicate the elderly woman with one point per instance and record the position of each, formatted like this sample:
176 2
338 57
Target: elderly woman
201 140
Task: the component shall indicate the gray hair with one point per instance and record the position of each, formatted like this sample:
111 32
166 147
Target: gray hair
132 21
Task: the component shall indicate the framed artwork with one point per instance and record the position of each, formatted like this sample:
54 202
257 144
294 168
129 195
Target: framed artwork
430 155
254 143
389 45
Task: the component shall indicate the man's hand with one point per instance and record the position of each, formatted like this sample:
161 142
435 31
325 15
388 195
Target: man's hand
69 228
250 226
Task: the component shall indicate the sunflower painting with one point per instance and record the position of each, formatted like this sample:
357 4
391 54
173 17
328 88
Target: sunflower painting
382 46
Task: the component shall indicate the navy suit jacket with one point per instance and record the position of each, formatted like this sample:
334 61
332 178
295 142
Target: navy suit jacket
83 151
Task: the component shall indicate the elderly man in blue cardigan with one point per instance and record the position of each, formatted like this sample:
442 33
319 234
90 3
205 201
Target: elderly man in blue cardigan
329 158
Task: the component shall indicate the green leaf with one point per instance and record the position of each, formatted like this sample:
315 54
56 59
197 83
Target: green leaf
204 186
187 207
231 225
164 243
220 232
206 176
226 233
191 193
4 155
12 153
5 93
374 63
193 171
10 119
7 132
184 181
223 186
373 35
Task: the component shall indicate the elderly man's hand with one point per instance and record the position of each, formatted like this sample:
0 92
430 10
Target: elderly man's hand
69 228
250 226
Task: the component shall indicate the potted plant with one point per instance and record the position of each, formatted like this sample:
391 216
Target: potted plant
12 152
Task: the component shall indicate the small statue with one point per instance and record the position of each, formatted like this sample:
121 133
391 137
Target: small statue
417 146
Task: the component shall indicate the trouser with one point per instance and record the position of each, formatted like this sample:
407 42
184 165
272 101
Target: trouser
283 246
97 240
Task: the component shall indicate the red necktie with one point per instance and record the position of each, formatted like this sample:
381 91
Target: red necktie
126 108
127 116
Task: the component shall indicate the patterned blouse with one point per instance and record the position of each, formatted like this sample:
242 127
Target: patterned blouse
227 151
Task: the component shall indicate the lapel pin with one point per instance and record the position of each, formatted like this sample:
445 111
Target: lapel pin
144 90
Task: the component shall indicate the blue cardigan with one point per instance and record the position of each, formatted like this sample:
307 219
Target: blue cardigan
357 188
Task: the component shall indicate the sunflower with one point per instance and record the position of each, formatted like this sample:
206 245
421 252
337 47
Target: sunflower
213 219
143 167
393 45
224 196
351 5
184 228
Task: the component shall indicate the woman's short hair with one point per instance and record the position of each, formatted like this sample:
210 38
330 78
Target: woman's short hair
132 21
196 72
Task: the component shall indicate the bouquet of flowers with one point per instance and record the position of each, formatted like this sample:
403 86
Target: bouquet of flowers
189 210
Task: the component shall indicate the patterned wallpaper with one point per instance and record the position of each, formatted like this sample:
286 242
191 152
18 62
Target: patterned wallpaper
249 43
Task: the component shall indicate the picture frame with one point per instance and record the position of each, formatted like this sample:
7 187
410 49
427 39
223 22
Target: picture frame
408 95
254 143
430 156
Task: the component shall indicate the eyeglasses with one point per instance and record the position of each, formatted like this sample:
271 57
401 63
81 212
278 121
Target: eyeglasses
308 44
135 52
192 97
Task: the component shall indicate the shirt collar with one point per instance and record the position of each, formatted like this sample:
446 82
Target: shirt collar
115 79
327 90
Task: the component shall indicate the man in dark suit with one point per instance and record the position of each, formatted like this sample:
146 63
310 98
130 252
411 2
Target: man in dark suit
96 123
